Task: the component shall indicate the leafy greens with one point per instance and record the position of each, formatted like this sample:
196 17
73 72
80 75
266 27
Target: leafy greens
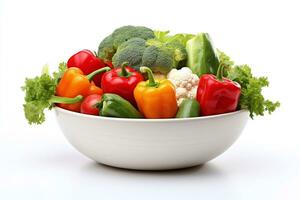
251 97
38 92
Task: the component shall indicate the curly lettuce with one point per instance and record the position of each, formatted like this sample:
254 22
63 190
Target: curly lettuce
38 92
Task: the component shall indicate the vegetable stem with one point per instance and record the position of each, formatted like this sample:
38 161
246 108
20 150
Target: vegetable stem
91 75
124 72
66 100
220 73
149 72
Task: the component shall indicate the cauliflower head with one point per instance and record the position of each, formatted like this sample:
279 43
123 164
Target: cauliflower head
185 82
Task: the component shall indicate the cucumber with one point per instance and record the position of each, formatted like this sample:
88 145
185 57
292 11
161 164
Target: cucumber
188 108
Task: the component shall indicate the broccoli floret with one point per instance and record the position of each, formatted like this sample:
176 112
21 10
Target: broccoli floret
159 59
132 42
111 43
138 46
125 33
106 49
175 47
144 32
130 51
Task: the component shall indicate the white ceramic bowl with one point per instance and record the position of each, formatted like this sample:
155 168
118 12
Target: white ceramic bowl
151 144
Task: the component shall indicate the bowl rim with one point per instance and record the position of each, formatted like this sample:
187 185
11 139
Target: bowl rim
148 120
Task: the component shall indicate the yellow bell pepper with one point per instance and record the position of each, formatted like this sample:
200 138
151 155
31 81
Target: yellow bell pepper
155 99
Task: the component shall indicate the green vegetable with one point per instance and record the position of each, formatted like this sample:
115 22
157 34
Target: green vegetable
225 61
158 59
202 57
106 48
62 67
130 51
137 46
38 92
251 97
179 53
125 33
188 108
112 105
175 44
164 37
39 95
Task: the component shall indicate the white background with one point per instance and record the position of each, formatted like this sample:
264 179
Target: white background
36 162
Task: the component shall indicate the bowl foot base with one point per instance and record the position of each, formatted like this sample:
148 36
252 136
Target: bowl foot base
152 169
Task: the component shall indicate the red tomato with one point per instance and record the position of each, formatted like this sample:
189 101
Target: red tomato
88 104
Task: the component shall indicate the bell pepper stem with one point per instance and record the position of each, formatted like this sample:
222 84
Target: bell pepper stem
220 73
124 72
98 71
66 100
149 72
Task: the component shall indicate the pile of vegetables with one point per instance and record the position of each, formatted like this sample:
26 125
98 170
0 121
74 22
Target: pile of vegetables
141 73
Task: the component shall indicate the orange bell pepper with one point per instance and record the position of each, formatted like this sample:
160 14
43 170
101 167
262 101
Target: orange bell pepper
74 83
93 89
155 99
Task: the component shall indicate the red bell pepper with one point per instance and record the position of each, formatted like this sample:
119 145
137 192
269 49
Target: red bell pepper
87 62
121 81
217 94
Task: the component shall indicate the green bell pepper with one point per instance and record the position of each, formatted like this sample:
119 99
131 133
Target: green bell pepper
112 105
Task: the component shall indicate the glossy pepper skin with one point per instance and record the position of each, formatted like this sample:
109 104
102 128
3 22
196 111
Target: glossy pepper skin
74 83
88 105
113 105
217 95
155 99
122 81
93 89
88 62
